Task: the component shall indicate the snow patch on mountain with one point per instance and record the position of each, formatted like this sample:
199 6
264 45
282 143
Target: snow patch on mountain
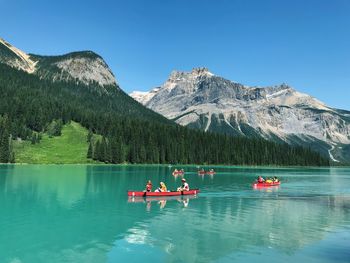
209 121
331 155
144 96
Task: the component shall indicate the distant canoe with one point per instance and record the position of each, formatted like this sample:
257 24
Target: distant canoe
179 173
206 172
171 193
258 185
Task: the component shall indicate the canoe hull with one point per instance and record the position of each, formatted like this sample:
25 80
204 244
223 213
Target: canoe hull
204 173
260 185
172 193
178 173
141 199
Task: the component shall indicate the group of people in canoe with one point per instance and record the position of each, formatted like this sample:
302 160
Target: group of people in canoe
179 172
162 187
202 171
267 180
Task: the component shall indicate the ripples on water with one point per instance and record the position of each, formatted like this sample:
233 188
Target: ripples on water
82 214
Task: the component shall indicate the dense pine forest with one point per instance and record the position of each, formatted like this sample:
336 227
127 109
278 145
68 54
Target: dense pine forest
129 132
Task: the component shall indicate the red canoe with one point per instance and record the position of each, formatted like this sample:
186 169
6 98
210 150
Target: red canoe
172 193
178 173
257 185
205 172
141 199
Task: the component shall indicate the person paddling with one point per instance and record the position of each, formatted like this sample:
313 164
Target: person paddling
201 171
161 188
184 186
260 179
275 179
148 186
268 180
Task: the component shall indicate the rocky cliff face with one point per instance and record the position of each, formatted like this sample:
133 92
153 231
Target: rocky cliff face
199 99
15 58
84 67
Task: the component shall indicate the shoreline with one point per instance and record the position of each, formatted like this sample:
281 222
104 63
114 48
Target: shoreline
181 165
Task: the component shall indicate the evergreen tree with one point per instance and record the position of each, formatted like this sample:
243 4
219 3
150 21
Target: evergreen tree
54 128
90 151
123 152
98 151
11 151
89 136
142 158
34 138
4 140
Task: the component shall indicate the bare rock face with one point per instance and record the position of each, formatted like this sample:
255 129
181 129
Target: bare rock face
85 67
16 58
203 100
87 70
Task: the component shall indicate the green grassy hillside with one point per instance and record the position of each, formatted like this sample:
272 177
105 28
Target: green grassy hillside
70 147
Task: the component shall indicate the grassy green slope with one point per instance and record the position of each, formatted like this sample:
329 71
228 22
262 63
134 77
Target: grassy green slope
70 147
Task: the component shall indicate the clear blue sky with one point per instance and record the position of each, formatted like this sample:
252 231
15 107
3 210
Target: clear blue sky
304 43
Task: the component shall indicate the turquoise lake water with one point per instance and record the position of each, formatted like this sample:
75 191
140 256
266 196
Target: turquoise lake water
78 213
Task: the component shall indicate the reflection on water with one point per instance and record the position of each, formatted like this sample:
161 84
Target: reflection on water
82 214
160 200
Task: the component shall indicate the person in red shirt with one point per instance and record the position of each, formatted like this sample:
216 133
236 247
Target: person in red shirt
260 179
148 186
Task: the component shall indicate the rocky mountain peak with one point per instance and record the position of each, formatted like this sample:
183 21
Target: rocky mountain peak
87 67
202 100
201 71
193 74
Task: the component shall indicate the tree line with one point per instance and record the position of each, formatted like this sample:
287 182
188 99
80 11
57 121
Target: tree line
136 142
128 131
6 145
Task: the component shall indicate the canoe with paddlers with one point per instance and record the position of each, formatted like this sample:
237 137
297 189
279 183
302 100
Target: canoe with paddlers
178 172
203 172
170 193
